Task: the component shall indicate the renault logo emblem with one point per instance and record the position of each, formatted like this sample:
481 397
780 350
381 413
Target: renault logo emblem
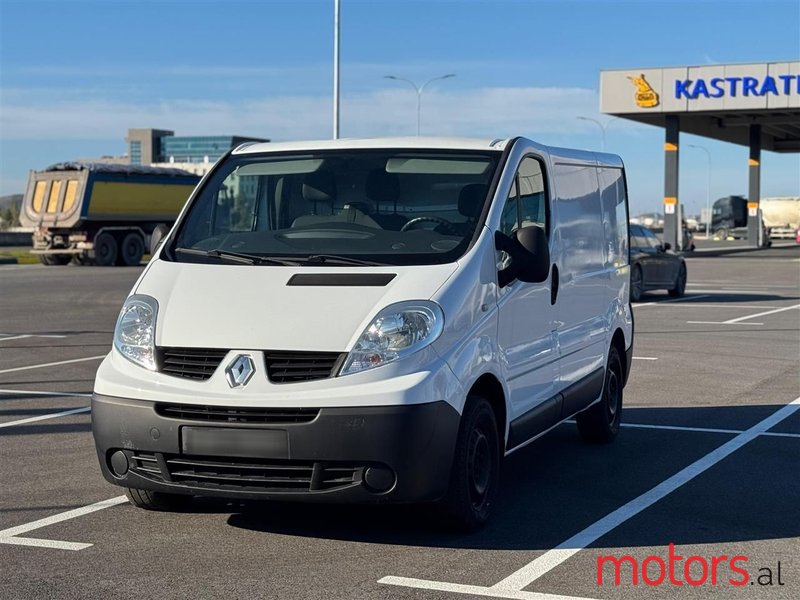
240 370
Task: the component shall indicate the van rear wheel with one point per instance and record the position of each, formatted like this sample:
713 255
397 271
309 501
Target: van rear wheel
475 474
149 500
600 422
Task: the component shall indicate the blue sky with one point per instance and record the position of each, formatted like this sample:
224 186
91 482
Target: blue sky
76 74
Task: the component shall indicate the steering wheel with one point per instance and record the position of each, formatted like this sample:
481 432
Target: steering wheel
438 220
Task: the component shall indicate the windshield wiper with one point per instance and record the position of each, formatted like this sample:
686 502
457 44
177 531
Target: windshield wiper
333 259
240 257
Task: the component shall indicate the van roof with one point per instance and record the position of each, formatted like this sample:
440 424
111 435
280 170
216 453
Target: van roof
431 143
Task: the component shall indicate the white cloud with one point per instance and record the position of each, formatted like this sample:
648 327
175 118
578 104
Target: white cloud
491 111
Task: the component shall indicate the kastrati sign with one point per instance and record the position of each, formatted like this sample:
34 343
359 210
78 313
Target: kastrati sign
711 88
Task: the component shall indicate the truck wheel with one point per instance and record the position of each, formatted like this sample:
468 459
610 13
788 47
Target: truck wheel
680 283
54 259
105 250
600 422
132 250
476 467
150 500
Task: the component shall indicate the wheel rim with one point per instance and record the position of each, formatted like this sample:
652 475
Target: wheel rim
479 463
612 396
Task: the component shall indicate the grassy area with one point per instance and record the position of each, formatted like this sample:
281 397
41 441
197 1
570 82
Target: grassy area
23 255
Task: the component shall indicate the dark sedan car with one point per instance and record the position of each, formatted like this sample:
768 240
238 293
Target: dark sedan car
654 266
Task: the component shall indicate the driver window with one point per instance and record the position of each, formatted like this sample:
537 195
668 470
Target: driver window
526 203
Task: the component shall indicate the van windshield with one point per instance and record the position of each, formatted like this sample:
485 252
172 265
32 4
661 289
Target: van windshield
337 207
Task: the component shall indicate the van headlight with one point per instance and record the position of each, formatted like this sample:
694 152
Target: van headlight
135 333
398 330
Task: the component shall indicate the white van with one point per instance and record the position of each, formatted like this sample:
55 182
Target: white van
370 321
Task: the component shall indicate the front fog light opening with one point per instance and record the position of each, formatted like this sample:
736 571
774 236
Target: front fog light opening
379 479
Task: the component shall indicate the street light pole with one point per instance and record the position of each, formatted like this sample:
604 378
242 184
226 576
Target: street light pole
419 90
708 186
602 129
336 69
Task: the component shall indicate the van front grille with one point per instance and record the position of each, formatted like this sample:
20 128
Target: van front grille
190 363
236 414
288 367
282 366
246 474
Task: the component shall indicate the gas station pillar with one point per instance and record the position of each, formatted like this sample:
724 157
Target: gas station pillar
754 187
672 227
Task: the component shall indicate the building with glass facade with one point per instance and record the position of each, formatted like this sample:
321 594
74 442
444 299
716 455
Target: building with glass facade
148 146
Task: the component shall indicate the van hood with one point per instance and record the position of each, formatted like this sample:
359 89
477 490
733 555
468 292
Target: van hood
255 308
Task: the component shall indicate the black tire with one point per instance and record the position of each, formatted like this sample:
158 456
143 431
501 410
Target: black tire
131 250
475 475
680 283
600 422
105 250
54 260
149 500
637 283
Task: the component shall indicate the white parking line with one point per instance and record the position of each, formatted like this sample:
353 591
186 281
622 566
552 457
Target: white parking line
63 413
52 364
719 323
684 299
761 314
644 358
699 429
513 585
28 335
9 536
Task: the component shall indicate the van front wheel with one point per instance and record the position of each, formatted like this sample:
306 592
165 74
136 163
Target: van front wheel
600 422
476 467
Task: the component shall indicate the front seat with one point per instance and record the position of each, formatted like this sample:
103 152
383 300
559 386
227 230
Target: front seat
471 199
384 188
319 190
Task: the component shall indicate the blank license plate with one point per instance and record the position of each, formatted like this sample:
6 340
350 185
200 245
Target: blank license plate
244 443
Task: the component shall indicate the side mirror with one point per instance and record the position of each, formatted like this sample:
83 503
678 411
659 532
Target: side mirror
158 235
667 246
530 255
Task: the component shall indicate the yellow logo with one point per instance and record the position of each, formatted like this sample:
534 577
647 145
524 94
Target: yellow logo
645 95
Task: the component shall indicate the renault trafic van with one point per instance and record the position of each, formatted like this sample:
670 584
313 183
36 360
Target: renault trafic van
370 321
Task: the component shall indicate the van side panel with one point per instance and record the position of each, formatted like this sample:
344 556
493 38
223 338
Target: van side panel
583 299
615 223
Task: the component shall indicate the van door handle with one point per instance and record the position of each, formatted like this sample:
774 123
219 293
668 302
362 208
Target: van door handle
554 286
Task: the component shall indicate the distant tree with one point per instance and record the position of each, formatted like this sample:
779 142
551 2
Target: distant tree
8 217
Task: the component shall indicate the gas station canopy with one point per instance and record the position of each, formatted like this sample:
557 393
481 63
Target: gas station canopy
755 105
719 101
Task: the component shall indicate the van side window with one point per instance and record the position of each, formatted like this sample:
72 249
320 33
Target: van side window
533 204
527 202
508 218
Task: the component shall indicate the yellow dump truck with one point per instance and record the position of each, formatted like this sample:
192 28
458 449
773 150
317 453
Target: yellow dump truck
94 213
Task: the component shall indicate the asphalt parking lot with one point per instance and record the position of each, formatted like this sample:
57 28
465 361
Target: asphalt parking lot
708 460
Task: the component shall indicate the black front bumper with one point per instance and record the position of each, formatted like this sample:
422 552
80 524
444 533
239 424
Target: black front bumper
369 454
